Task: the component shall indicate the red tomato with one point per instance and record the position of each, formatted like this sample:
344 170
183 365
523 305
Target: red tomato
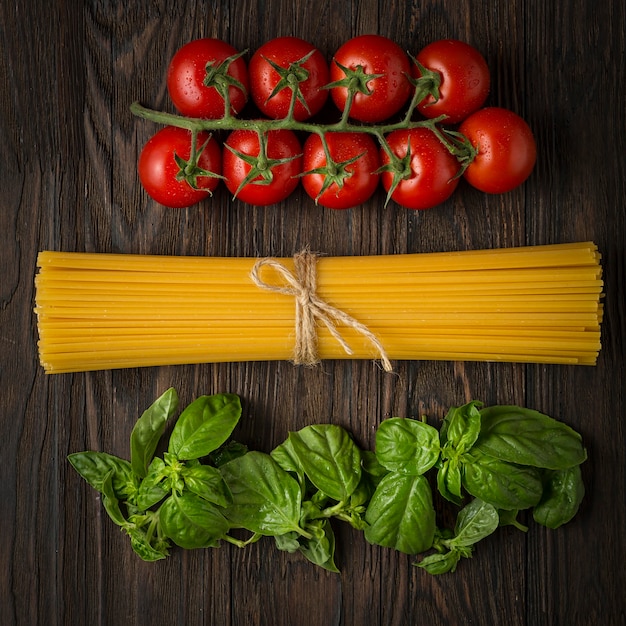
265 79
161 174
351 183
276 176
188 70
506 149
464 76
388 92
428 175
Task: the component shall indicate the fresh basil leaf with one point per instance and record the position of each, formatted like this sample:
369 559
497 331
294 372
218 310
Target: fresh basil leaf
563 493
449 481
372 473
286 457
152 488
356 518
143 549
227 452
320 550
461 426
407 446
289 542
149 429
204 426
110 502
207 482
527 437
372 467
266 498
192 522
319 499
505 485
440 563
401 514
474 522
330 459
173 467
363 493
94 467
309 511
509 518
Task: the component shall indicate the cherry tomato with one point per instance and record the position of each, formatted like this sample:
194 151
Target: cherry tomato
375 55
353 178
162 176
506 149
276 174
428 173
464 76
271 90
189 69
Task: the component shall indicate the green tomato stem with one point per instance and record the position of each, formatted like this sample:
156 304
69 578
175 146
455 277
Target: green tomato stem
266 125
294 85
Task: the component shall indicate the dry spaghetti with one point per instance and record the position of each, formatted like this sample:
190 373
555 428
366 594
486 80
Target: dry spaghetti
535 304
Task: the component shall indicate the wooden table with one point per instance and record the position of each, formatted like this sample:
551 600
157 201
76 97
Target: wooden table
69 149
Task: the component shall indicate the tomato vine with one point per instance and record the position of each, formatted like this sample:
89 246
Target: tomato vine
372 104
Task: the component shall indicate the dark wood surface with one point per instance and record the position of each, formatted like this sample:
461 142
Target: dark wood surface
69 73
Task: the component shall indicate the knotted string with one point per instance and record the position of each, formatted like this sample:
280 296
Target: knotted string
310 309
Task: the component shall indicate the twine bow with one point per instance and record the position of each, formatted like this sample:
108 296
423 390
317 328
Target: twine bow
310 309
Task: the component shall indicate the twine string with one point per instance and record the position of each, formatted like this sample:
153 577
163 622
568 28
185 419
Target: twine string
311 309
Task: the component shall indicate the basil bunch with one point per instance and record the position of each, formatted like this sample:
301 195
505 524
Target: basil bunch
157 501
492 462
509 459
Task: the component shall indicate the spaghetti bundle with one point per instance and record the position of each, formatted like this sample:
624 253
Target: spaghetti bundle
535 304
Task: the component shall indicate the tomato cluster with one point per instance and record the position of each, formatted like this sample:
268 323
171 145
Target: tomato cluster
416 125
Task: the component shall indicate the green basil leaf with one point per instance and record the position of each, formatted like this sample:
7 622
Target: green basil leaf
152 488
266 499
229 451
149 429
474 522
320 550
110 501
95 466
461 426
407 446
401 514
289 542
285 456
372 473
309 511
356 519
509 518
319 499
207 482
192 522
372 466
563 493
527 437
363 493
204 426
449 481
440 563
330 459
143 549
505 485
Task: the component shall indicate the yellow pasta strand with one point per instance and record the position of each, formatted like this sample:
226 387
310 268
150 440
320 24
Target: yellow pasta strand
534 304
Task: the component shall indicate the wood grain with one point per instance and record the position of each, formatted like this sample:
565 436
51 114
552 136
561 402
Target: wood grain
69 74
